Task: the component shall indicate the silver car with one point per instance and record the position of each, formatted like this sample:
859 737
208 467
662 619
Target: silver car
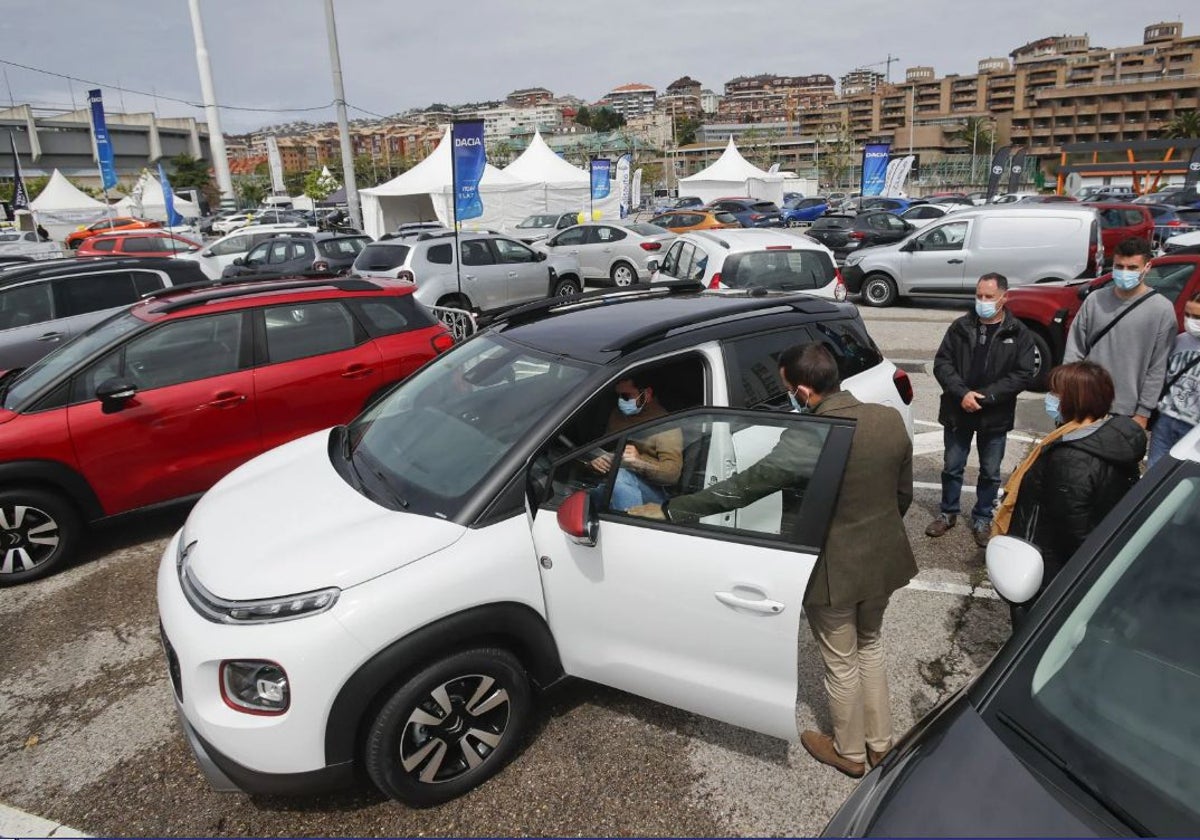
612 252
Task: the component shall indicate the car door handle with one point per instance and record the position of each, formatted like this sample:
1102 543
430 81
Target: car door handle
357 372
954 262
758 605
512 274
468 277
50 336
227 399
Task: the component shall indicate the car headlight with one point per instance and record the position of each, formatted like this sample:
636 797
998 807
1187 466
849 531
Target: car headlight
258 611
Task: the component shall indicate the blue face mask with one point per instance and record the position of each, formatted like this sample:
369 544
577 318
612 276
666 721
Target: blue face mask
1052 408
985 309
1126 279
629 407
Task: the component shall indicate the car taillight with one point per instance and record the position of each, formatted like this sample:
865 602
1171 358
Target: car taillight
754 217
839 288
651 246
903 386
857 234
1173 223
715 282
442 342
406 275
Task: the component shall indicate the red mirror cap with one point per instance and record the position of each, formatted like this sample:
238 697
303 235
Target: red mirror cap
573 514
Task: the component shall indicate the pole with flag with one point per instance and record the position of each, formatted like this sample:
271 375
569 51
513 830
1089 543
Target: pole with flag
173 217
104 149
468 159
20 198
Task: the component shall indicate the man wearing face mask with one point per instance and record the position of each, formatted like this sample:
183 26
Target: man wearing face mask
985 359
648 465
1127 329
1179 408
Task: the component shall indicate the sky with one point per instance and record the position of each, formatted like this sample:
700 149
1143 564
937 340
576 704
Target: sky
272 55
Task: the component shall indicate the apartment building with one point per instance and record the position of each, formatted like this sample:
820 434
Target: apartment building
861 80
769 97
682 98
528 97
632 100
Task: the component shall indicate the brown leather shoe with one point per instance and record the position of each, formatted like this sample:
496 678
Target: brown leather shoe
939 526
820 747
873 758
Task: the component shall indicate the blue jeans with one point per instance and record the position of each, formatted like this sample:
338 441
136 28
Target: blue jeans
990 446
1164 434
630 490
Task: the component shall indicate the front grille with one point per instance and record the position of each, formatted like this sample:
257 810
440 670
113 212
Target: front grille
172 664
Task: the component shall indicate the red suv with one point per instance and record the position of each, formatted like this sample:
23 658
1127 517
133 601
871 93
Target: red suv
1048 308
1120 221
151 243
159 402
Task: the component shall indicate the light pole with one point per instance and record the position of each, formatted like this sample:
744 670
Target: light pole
339 94
216 140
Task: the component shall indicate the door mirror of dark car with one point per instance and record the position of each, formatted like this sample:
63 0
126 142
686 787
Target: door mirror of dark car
539 256
238 261
1015 568
576 519
114 393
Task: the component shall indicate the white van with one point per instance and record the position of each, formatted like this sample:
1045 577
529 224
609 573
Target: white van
1027 243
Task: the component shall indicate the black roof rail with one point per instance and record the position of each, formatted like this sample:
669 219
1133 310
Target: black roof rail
436 234
352 284
597 297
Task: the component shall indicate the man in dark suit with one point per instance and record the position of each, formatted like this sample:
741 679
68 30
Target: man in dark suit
865 559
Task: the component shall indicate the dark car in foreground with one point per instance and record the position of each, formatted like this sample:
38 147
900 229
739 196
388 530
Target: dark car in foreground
1049 308
1084 724
843 234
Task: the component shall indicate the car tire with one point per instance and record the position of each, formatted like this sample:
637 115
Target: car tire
421 753
455 302
567 286
39 531
623 275
1043 360
879 290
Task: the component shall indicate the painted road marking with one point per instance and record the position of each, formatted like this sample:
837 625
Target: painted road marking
14 823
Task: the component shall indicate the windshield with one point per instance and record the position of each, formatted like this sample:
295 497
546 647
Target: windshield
67 357
1111 687
435 438
539 222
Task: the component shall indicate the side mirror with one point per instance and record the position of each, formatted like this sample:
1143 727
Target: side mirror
539 256
239 261
910 245
114 393
206 253
1015 568
652 265
576 520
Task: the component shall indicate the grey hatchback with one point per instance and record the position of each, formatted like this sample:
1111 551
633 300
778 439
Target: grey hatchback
43 305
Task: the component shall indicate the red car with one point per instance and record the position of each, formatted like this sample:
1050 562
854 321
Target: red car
1048 308
1120 221
156 243
156 404
115 223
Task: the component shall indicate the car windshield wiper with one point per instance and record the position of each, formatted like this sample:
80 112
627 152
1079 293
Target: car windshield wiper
382 478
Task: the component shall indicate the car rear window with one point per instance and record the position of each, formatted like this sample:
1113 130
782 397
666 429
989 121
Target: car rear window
725 218
647 230
833 222
379 256
789 271
341 247
764 207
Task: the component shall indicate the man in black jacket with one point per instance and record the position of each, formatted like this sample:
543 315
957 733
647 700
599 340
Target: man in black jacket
984 361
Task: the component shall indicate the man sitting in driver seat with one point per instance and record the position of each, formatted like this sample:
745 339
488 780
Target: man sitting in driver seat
648 465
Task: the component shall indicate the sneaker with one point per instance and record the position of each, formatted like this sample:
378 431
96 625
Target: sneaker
939 526
982 532
820 747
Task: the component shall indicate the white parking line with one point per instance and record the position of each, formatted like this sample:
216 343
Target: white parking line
981 591
14 823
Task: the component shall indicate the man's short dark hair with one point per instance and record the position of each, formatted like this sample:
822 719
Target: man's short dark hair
999 279
1134 246
639 379
813 366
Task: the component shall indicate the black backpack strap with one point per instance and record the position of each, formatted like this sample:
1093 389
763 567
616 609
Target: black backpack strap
1108 327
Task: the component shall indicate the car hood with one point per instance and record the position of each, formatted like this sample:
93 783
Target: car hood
958 779
286 522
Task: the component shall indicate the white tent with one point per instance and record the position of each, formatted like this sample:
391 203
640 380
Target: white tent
61 207
733 175
425 193
563 187
152 204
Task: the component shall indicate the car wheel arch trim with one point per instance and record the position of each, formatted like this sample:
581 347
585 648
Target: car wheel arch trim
513 626
53 477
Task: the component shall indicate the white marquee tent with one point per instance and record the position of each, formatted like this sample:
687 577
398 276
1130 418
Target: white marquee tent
425 193
152 204
563 187
61 207
733 175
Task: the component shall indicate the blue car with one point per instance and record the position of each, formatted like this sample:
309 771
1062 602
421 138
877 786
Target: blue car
801 210
751 212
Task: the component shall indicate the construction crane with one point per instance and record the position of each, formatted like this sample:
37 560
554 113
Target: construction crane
886 63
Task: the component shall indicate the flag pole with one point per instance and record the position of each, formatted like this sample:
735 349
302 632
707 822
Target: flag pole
454 211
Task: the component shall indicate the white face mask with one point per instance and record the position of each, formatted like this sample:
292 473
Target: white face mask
1191 326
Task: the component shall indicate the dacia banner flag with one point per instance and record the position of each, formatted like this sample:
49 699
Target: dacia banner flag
600 185
1189 180
623 183
173 217
999 167
874 168
467 161
1016 170
20 198
104 149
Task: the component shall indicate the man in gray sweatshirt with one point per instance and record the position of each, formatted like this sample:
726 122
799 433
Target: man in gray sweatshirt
1135 350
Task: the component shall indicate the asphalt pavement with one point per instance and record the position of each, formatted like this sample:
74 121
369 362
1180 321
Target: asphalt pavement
89 739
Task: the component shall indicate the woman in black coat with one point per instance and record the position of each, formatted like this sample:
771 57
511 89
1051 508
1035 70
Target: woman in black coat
1078 478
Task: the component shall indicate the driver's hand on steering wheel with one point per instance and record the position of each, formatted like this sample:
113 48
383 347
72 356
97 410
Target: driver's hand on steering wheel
602 464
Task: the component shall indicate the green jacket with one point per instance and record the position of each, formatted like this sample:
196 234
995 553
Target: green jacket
866 553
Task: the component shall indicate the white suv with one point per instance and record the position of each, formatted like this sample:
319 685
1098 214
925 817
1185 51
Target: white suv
777 260
386 596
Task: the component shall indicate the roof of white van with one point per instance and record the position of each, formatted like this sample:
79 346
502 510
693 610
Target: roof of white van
1058 207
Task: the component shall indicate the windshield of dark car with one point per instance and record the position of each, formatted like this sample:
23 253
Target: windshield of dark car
48 368
539 222
1112 685
437 436
790 271
834 222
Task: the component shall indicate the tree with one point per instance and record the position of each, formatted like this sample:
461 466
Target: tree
33 188
1185 124
251 190
316 187
685 130
499 152
605 119
192 173
837 155
583 116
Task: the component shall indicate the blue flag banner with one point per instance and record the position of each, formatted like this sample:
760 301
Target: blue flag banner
104 149
600 181
874 168
173 217
467 161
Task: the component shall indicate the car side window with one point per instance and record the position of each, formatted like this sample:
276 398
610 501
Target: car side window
1134 218
606 234
104 245
670 263
280 251
138 243
440 254
94 292
302 249
233 245
1169 280
21 306
571 236
895 222
145 282
511 252
258 255
476 252
295 331
390 315
948 237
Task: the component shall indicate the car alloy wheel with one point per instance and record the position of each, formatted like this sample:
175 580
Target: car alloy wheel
450 727
566 288
622 275
37 530
878 290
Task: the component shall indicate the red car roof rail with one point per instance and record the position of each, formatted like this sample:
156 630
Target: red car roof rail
353 284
